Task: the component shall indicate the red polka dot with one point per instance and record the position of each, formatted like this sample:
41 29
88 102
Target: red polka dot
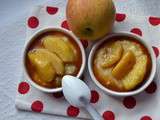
136 31
37 106
58 95
156 51
108 115
129 102
23 88
154 21
72 111
151 88
146 118
84 43
94 96
65 25
51 10
33 22
120 17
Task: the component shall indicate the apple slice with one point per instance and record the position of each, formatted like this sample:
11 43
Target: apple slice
43 66
56 62
66 39
136 75
111 54
60 47
125 65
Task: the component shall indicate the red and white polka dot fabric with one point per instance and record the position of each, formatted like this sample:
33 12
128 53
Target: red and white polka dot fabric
145 106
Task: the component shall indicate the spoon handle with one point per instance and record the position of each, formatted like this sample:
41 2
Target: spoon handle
93 112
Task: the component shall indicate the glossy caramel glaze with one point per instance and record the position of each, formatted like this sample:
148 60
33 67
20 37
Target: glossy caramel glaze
37 43
118 85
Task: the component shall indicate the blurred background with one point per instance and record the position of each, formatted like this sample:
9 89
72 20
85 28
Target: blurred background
12 28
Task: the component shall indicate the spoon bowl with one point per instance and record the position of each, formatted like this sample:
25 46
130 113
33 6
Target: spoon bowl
75 90
77 93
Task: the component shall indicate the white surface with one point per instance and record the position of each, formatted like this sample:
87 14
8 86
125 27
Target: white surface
13 13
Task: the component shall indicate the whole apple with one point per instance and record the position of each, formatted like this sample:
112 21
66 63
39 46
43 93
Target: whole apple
90 19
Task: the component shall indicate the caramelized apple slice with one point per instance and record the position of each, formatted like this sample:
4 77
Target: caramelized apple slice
111 54
136 76
114 84
125 65
43 66
56 62
110 82
66 39
59 46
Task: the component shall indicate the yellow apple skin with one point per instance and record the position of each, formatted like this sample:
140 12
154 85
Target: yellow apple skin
90 19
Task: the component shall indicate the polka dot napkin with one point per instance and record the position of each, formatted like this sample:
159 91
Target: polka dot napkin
145 106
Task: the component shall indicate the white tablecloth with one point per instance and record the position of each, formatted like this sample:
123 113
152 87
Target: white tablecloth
12 22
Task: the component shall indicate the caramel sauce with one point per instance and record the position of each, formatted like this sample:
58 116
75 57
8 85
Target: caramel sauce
37 43
145 51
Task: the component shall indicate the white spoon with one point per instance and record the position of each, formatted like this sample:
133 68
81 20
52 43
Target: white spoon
78 94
